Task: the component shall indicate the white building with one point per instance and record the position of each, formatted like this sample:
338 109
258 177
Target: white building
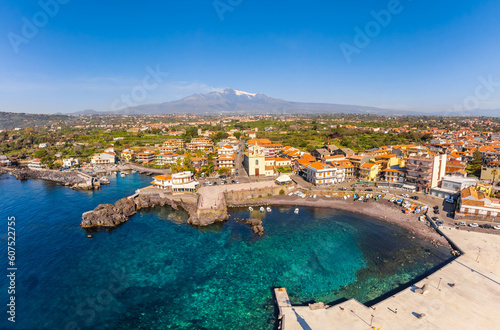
451 185
321 174
4 161
35 164
104 158
69 162
184 182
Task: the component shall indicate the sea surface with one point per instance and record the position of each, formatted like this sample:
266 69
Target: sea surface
157 272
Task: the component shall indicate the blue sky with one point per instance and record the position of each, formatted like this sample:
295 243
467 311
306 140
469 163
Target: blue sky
429 56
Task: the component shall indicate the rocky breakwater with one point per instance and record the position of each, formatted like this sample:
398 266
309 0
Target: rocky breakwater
255 224
109 215
72 179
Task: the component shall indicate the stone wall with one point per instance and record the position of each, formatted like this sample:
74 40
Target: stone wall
237 196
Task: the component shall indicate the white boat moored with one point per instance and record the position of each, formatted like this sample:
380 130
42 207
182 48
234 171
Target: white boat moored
262 209
296 210
268 209
250 208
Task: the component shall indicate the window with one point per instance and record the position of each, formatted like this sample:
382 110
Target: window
256 162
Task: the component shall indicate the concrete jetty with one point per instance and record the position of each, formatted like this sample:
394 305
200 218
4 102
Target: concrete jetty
464 294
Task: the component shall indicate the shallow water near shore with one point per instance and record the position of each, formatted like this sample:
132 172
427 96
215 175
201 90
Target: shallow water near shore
157 272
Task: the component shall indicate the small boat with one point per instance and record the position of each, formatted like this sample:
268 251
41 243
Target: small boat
250 208
122 174
296 210
134 171
104 181
268 209
314 196
345 197
328 196
421 218
392 199
360 198
262 209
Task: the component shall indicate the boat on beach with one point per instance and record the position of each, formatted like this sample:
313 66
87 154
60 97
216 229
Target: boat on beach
296 210
262 209
250 208
268 209
134 171
122 174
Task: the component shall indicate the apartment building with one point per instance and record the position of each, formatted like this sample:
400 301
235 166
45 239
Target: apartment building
425 172
145 157
320 174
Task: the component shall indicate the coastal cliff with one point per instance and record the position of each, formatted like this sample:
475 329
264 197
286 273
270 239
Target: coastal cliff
72 179
109 215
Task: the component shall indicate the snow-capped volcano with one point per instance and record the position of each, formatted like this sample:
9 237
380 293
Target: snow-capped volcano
233 101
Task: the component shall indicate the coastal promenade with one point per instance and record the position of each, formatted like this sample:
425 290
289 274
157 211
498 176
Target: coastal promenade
464 294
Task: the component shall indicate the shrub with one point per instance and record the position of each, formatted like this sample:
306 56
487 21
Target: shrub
282 192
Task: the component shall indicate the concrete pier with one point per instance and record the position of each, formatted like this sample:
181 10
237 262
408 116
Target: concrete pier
462 295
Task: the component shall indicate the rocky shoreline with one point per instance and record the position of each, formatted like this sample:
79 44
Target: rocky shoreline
112 215
72 179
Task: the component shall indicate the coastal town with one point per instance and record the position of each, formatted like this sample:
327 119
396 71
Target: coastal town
457 161
440 184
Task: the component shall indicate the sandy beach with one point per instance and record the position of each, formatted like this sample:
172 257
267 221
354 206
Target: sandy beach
383 210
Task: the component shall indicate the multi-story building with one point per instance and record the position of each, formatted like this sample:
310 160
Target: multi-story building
35 164
68 162
166 159
105 158
369 171
394 175
491 171
162 182
320 174
226 161
425 172
345 170
168 149
145 157
177 143
201 146
184 182
473 202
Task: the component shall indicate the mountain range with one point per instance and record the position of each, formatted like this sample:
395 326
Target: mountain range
232 101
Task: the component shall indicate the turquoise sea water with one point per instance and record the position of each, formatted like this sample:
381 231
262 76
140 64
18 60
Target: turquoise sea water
157 272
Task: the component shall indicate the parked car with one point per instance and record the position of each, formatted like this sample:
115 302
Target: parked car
496 227
435 218
233 182
462 223
237 181
486 225
414 197
440 223
435 207
385 191
369 189
436 211
215 183
474 225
